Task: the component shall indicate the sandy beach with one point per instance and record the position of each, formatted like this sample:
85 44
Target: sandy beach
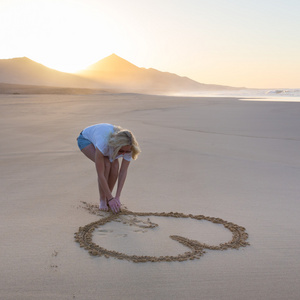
217 157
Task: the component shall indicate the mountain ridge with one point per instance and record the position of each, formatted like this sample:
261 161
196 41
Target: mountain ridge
110 73
23 70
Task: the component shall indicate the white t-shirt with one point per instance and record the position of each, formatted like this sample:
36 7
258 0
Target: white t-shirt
99 134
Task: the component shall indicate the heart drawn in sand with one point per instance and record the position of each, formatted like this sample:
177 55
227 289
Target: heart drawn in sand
84 237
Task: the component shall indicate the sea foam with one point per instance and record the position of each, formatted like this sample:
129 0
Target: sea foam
287 95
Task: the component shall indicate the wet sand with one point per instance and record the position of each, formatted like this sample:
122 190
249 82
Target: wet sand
213 157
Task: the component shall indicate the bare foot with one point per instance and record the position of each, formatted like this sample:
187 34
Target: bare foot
103 205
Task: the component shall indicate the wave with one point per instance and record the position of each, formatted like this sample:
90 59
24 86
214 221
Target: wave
257 93
285 93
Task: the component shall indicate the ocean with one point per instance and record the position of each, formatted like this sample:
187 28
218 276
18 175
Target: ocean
282 95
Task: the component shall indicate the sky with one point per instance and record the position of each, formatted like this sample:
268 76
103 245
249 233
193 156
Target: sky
241 43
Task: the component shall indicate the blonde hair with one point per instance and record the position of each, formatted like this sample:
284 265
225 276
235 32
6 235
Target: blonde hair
123 137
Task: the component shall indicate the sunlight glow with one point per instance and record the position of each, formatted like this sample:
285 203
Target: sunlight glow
236 43
59 35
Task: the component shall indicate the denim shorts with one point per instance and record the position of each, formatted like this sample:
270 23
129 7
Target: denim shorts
82 142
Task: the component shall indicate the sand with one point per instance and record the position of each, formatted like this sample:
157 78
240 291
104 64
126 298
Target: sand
220 158
84 236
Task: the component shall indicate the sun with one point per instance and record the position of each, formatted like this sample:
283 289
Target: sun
61 36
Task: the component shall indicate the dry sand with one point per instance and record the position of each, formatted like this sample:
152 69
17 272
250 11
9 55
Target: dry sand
224 158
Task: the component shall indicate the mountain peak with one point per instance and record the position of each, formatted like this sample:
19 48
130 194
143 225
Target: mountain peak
114 55
112 63
18 59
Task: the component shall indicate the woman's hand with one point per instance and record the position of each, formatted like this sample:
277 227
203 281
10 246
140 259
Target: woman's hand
115 205
118 200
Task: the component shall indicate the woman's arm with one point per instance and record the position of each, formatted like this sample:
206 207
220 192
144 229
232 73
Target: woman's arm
100 167
122 177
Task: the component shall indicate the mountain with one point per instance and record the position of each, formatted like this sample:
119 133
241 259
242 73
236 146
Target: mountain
110 66
23 70
113 74
114 71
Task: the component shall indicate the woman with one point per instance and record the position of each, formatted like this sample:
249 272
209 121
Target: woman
104 144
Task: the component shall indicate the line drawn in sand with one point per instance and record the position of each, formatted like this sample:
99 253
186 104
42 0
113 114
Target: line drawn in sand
84 236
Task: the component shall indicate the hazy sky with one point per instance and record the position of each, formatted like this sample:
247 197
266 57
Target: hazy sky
251 43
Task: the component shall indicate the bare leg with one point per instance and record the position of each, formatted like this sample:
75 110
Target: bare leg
90 152
103 201
113 175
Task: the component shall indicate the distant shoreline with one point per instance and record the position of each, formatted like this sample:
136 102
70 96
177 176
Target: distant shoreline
21 89
291 95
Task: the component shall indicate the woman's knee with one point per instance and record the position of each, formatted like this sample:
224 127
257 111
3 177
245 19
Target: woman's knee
107 163
115 166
